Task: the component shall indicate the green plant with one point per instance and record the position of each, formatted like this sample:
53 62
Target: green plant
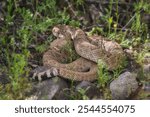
96 30
103 76
70 52
64 18
15 58
137 25
139 57
82 94
19 84
78 95
80 3
103 79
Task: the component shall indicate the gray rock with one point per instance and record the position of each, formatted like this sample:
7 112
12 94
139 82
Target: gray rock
4 78
90 90
146 71
146 59
146 87
124 86
49 89
147 46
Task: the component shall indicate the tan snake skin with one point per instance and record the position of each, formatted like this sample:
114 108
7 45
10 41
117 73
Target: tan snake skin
90 48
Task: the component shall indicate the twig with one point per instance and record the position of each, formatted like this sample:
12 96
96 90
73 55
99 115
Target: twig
71 9
94 25
129 22
106 3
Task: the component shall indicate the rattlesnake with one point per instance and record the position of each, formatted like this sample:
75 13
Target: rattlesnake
90 48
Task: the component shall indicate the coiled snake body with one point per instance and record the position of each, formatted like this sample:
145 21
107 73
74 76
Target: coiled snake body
90 48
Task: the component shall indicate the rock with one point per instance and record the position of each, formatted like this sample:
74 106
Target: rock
4 78
90 90
146 66
146 87
144 92
124 86
129 53
147 46
146 18
49 89
146 71
146 59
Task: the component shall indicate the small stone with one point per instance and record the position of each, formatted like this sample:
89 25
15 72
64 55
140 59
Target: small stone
129 53
49 89
147 46
146 71
124 86
146 86
91 91
4 78
146 59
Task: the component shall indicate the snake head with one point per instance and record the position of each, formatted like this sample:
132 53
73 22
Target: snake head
57 32
64 31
